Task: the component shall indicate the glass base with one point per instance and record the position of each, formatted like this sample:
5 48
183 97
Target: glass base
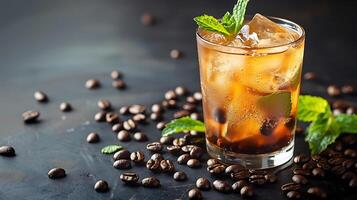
256 161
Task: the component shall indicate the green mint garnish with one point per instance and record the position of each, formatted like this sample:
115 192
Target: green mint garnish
323 130
229 25
110 149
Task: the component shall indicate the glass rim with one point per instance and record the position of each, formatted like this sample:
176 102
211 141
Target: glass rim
296 41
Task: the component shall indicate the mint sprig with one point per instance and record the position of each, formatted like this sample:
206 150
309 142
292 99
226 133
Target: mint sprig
183 124
229 25
110 149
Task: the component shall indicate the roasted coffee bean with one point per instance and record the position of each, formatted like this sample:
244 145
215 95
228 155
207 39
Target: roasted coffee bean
244 174
300 179
317 192
174 150
167 166
112 118
323 164
348 89
156 108
308 165
122 164
92 84
181 113
119 84
180 176
348 176
117 127
7 151
140 137
141 118
203 184
150 182
196 152
301 158
153 164
299 171
270 178
336 112
93 138
124 110
222 186
129 178
101 186
310 76
193 163
180 91
104 104
161 125
340 104
234 169
351 111
157 156
338 170
348 163
154 147
40 96
170 95
247 191
190 99
100 116
333 91
30 116
129 125
182 160
123 136
315 157
257 172
167 140
116 74
195 194
212 161
350 153
220 116
257 179
179 142
197 96
156 117
293 195
353 183
147 19
335 161
175 54
56 173
137 156
187 148
237 186
136 109
290 187
122 154
195 116
65 107
190 107
268 127
216 169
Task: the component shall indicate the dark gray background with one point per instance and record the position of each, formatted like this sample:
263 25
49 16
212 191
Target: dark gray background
55 46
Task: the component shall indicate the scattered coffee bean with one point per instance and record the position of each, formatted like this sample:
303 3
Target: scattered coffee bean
301 158
156 108
351 111
122 154
222 186
112 118
136 109
154 147
237 186
333 91
153 164
257 179
257 172
317 192
348 176
140 118
193 163
174 150
123 136
92 84
180 176
179 142
116 74
93 138
122 164
196 152
353 183
195 116
290 187
140 137
160 126
182 160
323 164
181 113
195 194
30 116
310 76
303 172
308 165
167 166
191 99
180 91
101 186
348 89
216 169
7 151
170 95
124 110
129 125
348 164
147 19
189 107
156 117
299 179
337 112
350 153
117 127
197 96
338 170
119 84
56 173
335 161
212 161
129 178
247 191
137 156
167 140
100 116
270 178
40 96
293 195
187 148
170 104
175 54
233 168
150 182
104 104
243 174
65 107
157 156
203 184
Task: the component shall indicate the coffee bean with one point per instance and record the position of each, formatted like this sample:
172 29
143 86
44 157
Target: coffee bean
129 178
189 107
100 116
303 172
247 191
179 142
156 108
348 89
160 126
154 147
216 169
353 183
136 109
197 96
293 195
174 150
147 19
350 153
268 127
301 158
348 176
170 95
167 166
203 184
243 174
196 152
124 110
222 186
212 161
336 112
150 182
101 186
195 116
257 172
137 156
153 164
30 116
338 170
117 127
340 104
183 159
335 161
175 54
233 169
290 187
122 154
167 140
112 118
237 186
116 74
93 138
7 151
129 125
181 113
40 96
170 104
191 99
104 104
157 156
333 91
181 91
194 194
257 179
310 76
323 164
308 166
119 84
180 176
271 178
92 84
317 192
140 137
351 111
65 107
122 164
193 163
56 173
156 117
315 157
140 118
123 136
348 163
299 179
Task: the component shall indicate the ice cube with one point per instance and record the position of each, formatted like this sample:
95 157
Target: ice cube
213 37
269 32
245 39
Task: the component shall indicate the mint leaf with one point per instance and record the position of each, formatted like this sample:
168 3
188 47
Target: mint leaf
310 107
228 22
211 24
110 149
348 123
278 103
238 14
183 124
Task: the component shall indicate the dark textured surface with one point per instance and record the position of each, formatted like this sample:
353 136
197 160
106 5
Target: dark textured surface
55 46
